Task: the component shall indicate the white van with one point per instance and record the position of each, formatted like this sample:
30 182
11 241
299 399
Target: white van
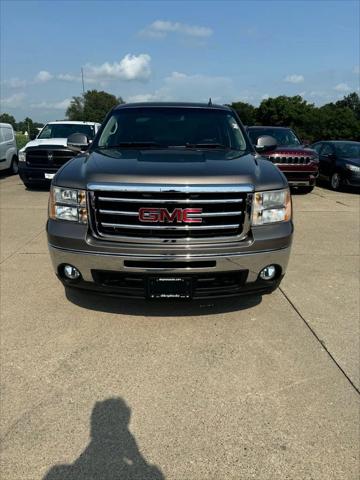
8 149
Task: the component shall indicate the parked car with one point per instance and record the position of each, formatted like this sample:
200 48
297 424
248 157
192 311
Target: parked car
339 162
41 158
298 163
170 201
8 149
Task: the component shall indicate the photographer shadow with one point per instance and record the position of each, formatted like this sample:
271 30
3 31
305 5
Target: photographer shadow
112 453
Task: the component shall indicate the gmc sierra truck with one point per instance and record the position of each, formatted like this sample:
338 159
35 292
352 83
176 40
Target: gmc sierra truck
300 164
170 200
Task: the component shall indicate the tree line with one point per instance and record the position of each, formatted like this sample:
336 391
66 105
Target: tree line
27 125
339 120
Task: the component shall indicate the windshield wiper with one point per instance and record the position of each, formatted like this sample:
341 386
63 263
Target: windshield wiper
206 145
133 145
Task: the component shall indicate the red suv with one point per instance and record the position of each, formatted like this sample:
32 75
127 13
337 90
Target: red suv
299 163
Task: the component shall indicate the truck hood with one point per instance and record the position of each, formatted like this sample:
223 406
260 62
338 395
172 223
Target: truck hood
38 142
169 167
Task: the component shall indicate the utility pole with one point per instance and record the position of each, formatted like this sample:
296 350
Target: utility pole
82 79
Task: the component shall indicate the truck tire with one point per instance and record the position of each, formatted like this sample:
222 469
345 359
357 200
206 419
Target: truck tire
335 181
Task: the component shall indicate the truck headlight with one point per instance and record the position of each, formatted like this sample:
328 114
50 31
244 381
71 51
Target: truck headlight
353 168
68 204
22 156
270 207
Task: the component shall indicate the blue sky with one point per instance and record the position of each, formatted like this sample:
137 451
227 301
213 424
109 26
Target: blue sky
188 51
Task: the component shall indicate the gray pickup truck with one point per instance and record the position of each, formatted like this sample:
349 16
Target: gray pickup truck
170 200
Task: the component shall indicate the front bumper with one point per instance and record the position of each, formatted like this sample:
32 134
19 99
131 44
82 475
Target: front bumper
139 268
351 179
300 175
36 176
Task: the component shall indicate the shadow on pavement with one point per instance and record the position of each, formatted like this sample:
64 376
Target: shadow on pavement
109 304
112 453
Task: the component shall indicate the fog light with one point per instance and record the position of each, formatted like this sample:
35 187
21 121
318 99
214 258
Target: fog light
71 272
268 273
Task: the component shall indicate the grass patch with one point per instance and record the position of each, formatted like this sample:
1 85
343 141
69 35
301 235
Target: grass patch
21 140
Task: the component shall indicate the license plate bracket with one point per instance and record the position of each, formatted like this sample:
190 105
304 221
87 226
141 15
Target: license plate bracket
173 287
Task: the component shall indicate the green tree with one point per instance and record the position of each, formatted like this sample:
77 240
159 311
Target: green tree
335 122
7 118
75 110
292 112
246 112
92 106
351 101
28 125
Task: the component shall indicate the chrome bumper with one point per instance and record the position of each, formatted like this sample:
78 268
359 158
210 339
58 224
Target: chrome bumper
87 261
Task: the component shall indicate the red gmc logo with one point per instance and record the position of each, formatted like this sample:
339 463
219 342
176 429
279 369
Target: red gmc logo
178 215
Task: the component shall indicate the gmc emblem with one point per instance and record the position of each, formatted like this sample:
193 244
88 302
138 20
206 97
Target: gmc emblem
178 215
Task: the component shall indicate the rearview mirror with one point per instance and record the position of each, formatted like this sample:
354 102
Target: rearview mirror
265 143
33 136
78 142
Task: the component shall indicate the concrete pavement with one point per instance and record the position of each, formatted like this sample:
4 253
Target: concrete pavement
99 388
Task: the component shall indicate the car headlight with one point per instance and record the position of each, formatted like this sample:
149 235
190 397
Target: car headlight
68 204
270 207
353 168
22 156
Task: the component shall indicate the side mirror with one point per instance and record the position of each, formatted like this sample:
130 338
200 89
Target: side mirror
33 136
78 142
265 143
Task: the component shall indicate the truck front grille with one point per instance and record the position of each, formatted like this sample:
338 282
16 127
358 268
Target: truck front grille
219 212
48 157
290 160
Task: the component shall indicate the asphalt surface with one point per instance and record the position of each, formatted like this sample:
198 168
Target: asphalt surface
95 388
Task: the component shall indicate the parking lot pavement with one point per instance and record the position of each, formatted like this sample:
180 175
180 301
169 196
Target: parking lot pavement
99 388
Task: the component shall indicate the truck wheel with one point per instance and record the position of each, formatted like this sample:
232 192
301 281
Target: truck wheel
14 167
335 181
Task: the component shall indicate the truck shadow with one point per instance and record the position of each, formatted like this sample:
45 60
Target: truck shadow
109 304
112 453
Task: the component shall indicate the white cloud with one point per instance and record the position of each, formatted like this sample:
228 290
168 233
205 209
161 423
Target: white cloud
342 87
15 82
67 77
13 101
356 70
43 76
182 87
294 78
131 67
61 105
265 96
161 28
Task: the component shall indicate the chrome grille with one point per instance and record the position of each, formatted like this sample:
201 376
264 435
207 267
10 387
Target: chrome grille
290 160
224 212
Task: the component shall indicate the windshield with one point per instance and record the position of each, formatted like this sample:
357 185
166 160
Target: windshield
348 150
283 136
164 127
64 130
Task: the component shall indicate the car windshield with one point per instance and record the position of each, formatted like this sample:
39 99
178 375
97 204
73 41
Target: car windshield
64 130
180 127
348 150
283 136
